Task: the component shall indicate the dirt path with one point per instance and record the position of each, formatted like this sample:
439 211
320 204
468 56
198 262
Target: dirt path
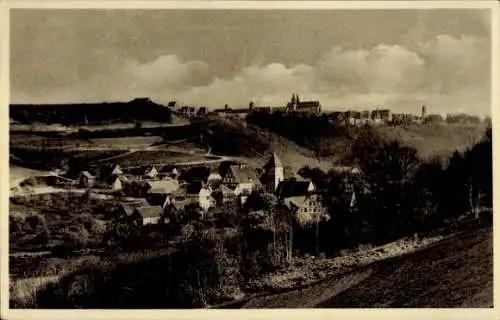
311 296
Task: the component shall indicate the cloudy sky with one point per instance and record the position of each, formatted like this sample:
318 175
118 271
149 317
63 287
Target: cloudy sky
344 58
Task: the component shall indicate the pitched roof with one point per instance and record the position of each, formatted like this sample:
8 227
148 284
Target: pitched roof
129 207
293 188
307 104
157 199
295 201
149 211
165 186
214 176
274 162
244 174
87 174
224 190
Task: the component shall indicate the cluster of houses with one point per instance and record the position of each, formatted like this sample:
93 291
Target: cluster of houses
154 192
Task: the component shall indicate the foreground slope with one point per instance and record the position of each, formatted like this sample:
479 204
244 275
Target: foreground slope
455 273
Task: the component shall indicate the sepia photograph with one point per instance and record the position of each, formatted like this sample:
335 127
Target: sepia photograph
250 158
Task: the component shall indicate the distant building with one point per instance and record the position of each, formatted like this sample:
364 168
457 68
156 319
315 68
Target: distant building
202 111
295 105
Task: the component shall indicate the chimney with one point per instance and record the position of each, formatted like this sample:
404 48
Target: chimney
226 107
250 106
424 111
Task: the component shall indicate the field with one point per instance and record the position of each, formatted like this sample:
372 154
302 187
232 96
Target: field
127 142
36 141
158 157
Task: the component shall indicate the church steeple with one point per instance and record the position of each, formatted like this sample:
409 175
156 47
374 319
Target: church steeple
273 172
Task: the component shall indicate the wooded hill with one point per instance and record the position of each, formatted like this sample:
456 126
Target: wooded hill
141 109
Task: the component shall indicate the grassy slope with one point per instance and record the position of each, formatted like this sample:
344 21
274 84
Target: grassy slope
455 273
435 140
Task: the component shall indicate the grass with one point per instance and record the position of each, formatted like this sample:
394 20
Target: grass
24 292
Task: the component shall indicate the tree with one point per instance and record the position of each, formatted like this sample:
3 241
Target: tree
390 172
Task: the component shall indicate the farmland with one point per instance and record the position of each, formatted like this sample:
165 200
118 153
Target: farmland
158 157
123 143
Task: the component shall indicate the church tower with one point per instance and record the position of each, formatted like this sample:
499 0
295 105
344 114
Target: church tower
273 173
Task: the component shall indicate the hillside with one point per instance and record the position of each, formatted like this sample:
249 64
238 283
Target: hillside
435 139
236 137
455 273
252 144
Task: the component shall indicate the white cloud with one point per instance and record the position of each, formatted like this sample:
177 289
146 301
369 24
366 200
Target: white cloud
445 73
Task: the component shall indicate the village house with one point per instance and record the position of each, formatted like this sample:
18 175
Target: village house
242 180
308 208
158 191
169 172
140 188
147 215
85 179
197 193
224 196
